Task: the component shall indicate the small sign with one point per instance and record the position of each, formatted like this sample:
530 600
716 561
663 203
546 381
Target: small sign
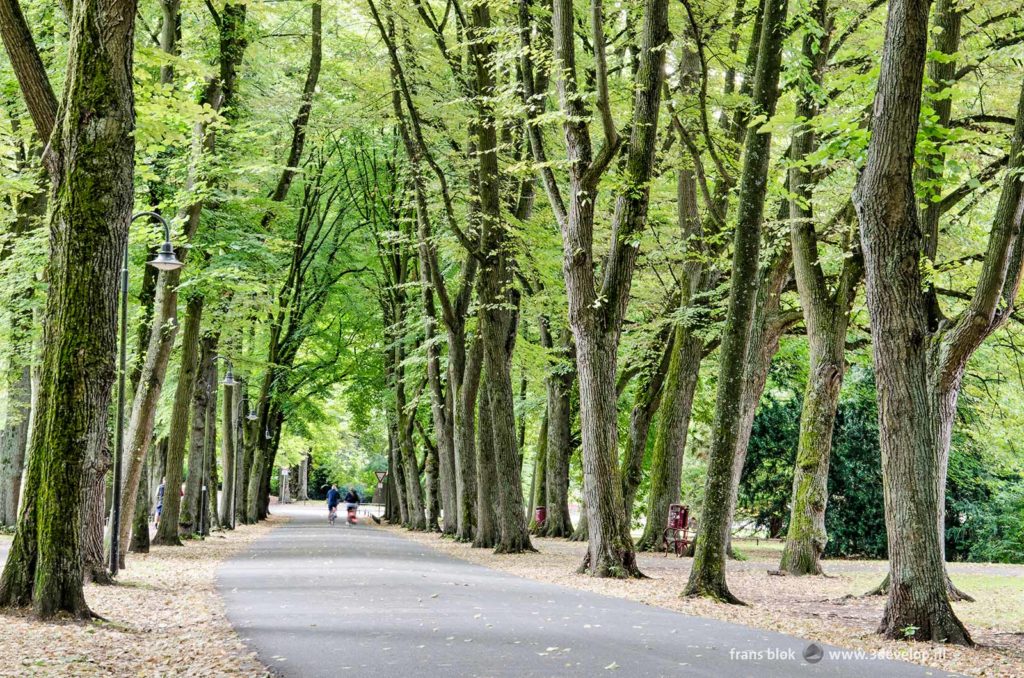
381 475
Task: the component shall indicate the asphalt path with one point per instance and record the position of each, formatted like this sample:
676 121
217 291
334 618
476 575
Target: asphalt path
315 600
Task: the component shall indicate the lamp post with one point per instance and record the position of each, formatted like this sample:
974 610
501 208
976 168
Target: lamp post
165 261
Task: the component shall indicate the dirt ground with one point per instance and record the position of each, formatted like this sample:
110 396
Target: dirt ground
826 609
163 618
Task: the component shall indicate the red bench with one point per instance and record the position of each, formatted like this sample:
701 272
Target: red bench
676 536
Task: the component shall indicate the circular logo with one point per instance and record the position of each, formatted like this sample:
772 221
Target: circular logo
813 653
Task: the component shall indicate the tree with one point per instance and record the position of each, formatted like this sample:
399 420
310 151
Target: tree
826 316
596 309
707 578
919 370
90 162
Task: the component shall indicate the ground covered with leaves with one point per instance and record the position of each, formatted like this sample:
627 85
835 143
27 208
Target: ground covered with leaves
163 618
825 609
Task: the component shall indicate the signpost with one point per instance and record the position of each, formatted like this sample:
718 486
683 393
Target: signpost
381 497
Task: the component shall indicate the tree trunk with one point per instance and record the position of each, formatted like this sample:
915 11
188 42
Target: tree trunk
513 536
254 490
91 162
670 441
826 316
909 405
806 538
559 450
188 522
464 374
440 408
167 532
707 577
93 517
645 406
210 496
241 470
486 477
416 513
140 518
596 310
13 443
610 552
227 459
397 474
498 297
143 413
250 466
538 483
262 480
582 531
430 474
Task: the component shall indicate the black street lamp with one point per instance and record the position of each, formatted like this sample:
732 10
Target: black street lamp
166 261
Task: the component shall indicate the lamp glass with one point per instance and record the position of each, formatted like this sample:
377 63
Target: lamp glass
165 259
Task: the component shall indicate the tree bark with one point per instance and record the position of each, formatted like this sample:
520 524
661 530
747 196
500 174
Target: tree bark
464 368
93 517
142 512
191 508
913 409
238 422
415 510
91 160
440 403
538 483
227 459
646 402
13 443
498 298
559 447
211 517
487 534
397 473
167 532
707 577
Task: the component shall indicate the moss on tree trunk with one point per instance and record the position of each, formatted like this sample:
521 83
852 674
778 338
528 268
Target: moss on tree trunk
91 163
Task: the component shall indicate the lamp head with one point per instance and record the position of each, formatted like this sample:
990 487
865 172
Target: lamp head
165 259
229 378
252 416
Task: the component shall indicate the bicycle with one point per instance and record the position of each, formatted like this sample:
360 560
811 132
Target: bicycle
333 515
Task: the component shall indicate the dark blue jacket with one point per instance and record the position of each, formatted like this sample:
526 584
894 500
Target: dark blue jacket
333 498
